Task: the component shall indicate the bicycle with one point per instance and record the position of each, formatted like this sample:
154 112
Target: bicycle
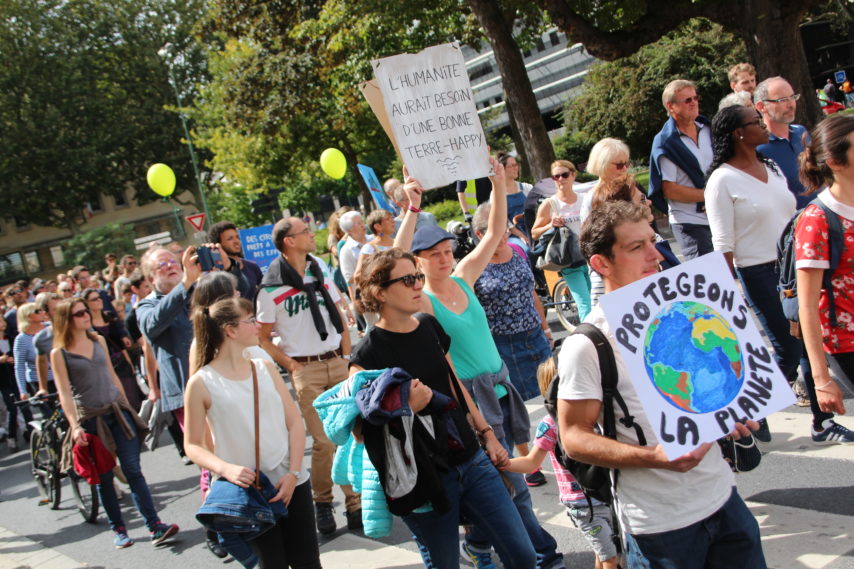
45 456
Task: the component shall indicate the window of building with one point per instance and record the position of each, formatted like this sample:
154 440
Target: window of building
526 53
120 199
540 45
553 37
11 267
33 264
57 256
480 71
94 206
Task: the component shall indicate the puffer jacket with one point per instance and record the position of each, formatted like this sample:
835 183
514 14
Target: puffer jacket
337 410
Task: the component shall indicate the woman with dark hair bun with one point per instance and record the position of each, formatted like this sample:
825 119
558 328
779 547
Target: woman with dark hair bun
749 204
828 162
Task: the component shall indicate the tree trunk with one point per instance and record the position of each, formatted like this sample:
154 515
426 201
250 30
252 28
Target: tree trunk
353 161
520 95
525 169
772 35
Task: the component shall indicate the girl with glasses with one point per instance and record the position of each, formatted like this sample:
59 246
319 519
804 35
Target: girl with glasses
467 484
94 403
219 397
108 325
564 210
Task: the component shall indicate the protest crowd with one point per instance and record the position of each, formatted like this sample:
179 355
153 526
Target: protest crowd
419 414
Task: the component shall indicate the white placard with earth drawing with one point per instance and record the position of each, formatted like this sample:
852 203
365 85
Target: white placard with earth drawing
430 105
694 353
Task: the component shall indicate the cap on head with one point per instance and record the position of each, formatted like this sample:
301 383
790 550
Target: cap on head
428 237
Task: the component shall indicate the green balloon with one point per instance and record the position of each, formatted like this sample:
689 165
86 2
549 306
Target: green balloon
333 163
161 179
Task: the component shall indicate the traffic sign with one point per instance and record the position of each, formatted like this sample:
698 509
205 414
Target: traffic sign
840 77
197 220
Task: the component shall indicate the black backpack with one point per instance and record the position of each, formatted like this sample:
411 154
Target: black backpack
788 284
595 481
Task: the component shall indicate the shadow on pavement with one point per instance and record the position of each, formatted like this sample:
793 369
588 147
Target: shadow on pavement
837 500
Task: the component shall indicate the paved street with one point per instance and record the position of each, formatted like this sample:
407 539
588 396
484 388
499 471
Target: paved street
802 495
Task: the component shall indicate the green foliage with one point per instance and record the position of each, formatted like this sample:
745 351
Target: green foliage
446 211
89 248
83 93
320 237
574 146
622 98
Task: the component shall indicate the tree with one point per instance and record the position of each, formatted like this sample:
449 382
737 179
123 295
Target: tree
622 98
89 248
610 29
82 97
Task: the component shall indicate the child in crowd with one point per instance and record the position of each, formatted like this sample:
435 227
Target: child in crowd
597 530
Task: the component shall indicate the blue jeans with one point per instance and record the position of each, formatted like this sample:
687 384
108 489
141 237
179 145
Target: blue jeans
578 281
760 287
694 239
543 542
522 353
474 489
127 452
728 539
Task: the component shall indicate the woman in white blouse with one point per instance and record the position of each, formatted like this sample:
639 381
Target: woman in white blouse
749 204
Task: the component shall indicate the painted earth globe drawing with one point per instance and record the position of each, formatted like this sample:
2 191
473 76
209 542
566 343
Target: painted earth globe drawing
693 358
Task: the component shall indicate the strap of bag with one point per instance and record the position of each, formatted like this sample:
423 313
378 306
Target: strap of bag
257 427
834 227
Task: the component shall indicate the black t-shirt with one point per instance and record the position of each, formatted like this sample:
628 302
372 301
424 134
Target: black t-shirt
422 354
132 325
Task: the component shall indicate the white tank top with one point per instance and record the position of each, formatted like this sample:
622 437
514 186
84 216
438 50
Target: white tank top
232 422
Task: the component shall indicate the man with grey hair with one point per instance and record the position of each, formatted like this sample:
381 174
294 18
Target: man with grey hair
389 186
681 154
777 102
353 225
402 202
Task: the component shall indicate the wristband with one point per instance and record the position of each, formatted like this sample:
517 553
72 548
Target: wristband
296 473
486 430
414 209
821 387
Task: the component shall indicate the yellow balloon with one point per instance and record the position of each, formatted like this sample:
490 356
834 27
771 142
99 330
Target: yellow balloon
333 163
161 179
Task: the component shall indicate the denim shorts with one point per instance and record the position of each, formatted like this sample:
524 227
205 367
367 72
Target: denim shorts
522 353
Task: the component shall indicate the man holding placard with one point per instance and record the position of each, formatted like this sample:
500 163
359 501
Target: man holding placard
681 511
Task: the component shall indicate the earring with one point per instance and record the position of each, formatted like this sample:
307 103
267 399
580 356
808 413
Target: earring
740 137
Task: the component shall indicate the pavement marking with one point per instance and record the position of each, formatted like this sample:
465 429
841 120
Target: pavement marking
350 551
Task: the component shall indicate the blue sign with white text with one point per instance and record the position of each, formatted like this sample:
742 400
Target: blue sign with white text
257 243
839 76
376 188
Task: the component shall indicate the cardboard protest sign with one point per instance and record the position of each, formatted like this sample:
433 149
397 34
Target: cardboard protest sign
257 244
373 183
430 106
694 354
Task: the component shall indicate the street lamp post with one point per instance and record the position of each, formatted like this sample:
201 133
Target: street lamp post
166 53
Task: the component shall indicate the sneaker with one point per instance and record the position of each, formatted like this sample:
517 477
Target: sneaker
476 559
833 433
162 532
325 520
763 434
121 539
186 460
354 519
536 478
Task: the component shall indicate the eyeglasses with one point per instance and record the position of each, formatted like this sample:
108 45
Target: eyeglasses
169 263
407 280
562 175
620 165
305 231
250 320
80 313
130 263
93 299
688 100
792 98
38 311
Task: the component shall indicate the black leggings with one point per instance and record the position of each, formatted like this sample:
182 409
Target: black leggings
293 542
843 366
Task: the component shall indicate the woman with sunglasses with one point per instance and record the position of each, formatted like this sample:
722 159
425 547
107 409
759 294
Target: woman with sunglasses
31 321
564 210
219 397
417 343
608 159
748 203
108 325
94 403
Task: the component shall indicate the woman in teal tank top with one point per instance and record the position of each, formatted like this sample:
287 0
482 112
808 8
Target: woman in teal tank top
472 351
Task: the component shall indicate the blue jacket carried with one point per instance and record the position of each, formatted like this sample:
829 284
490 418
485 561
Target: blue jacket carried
668 142
239 515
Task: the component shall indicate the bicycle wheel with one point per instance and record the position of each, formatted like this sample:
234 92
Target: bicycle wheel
86 497
567 312
45 471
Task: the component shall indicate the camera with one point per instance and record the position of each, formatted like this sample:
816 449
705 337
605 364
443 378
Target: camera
209 258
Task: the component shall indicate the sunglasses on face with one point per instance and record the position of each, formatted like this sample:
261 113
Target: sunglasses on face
80 313
407 280
562 175
688 100
38 311
93 299
620 165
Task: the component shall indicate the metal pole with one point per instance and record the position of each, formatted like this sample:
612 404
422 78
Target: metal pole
174 84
